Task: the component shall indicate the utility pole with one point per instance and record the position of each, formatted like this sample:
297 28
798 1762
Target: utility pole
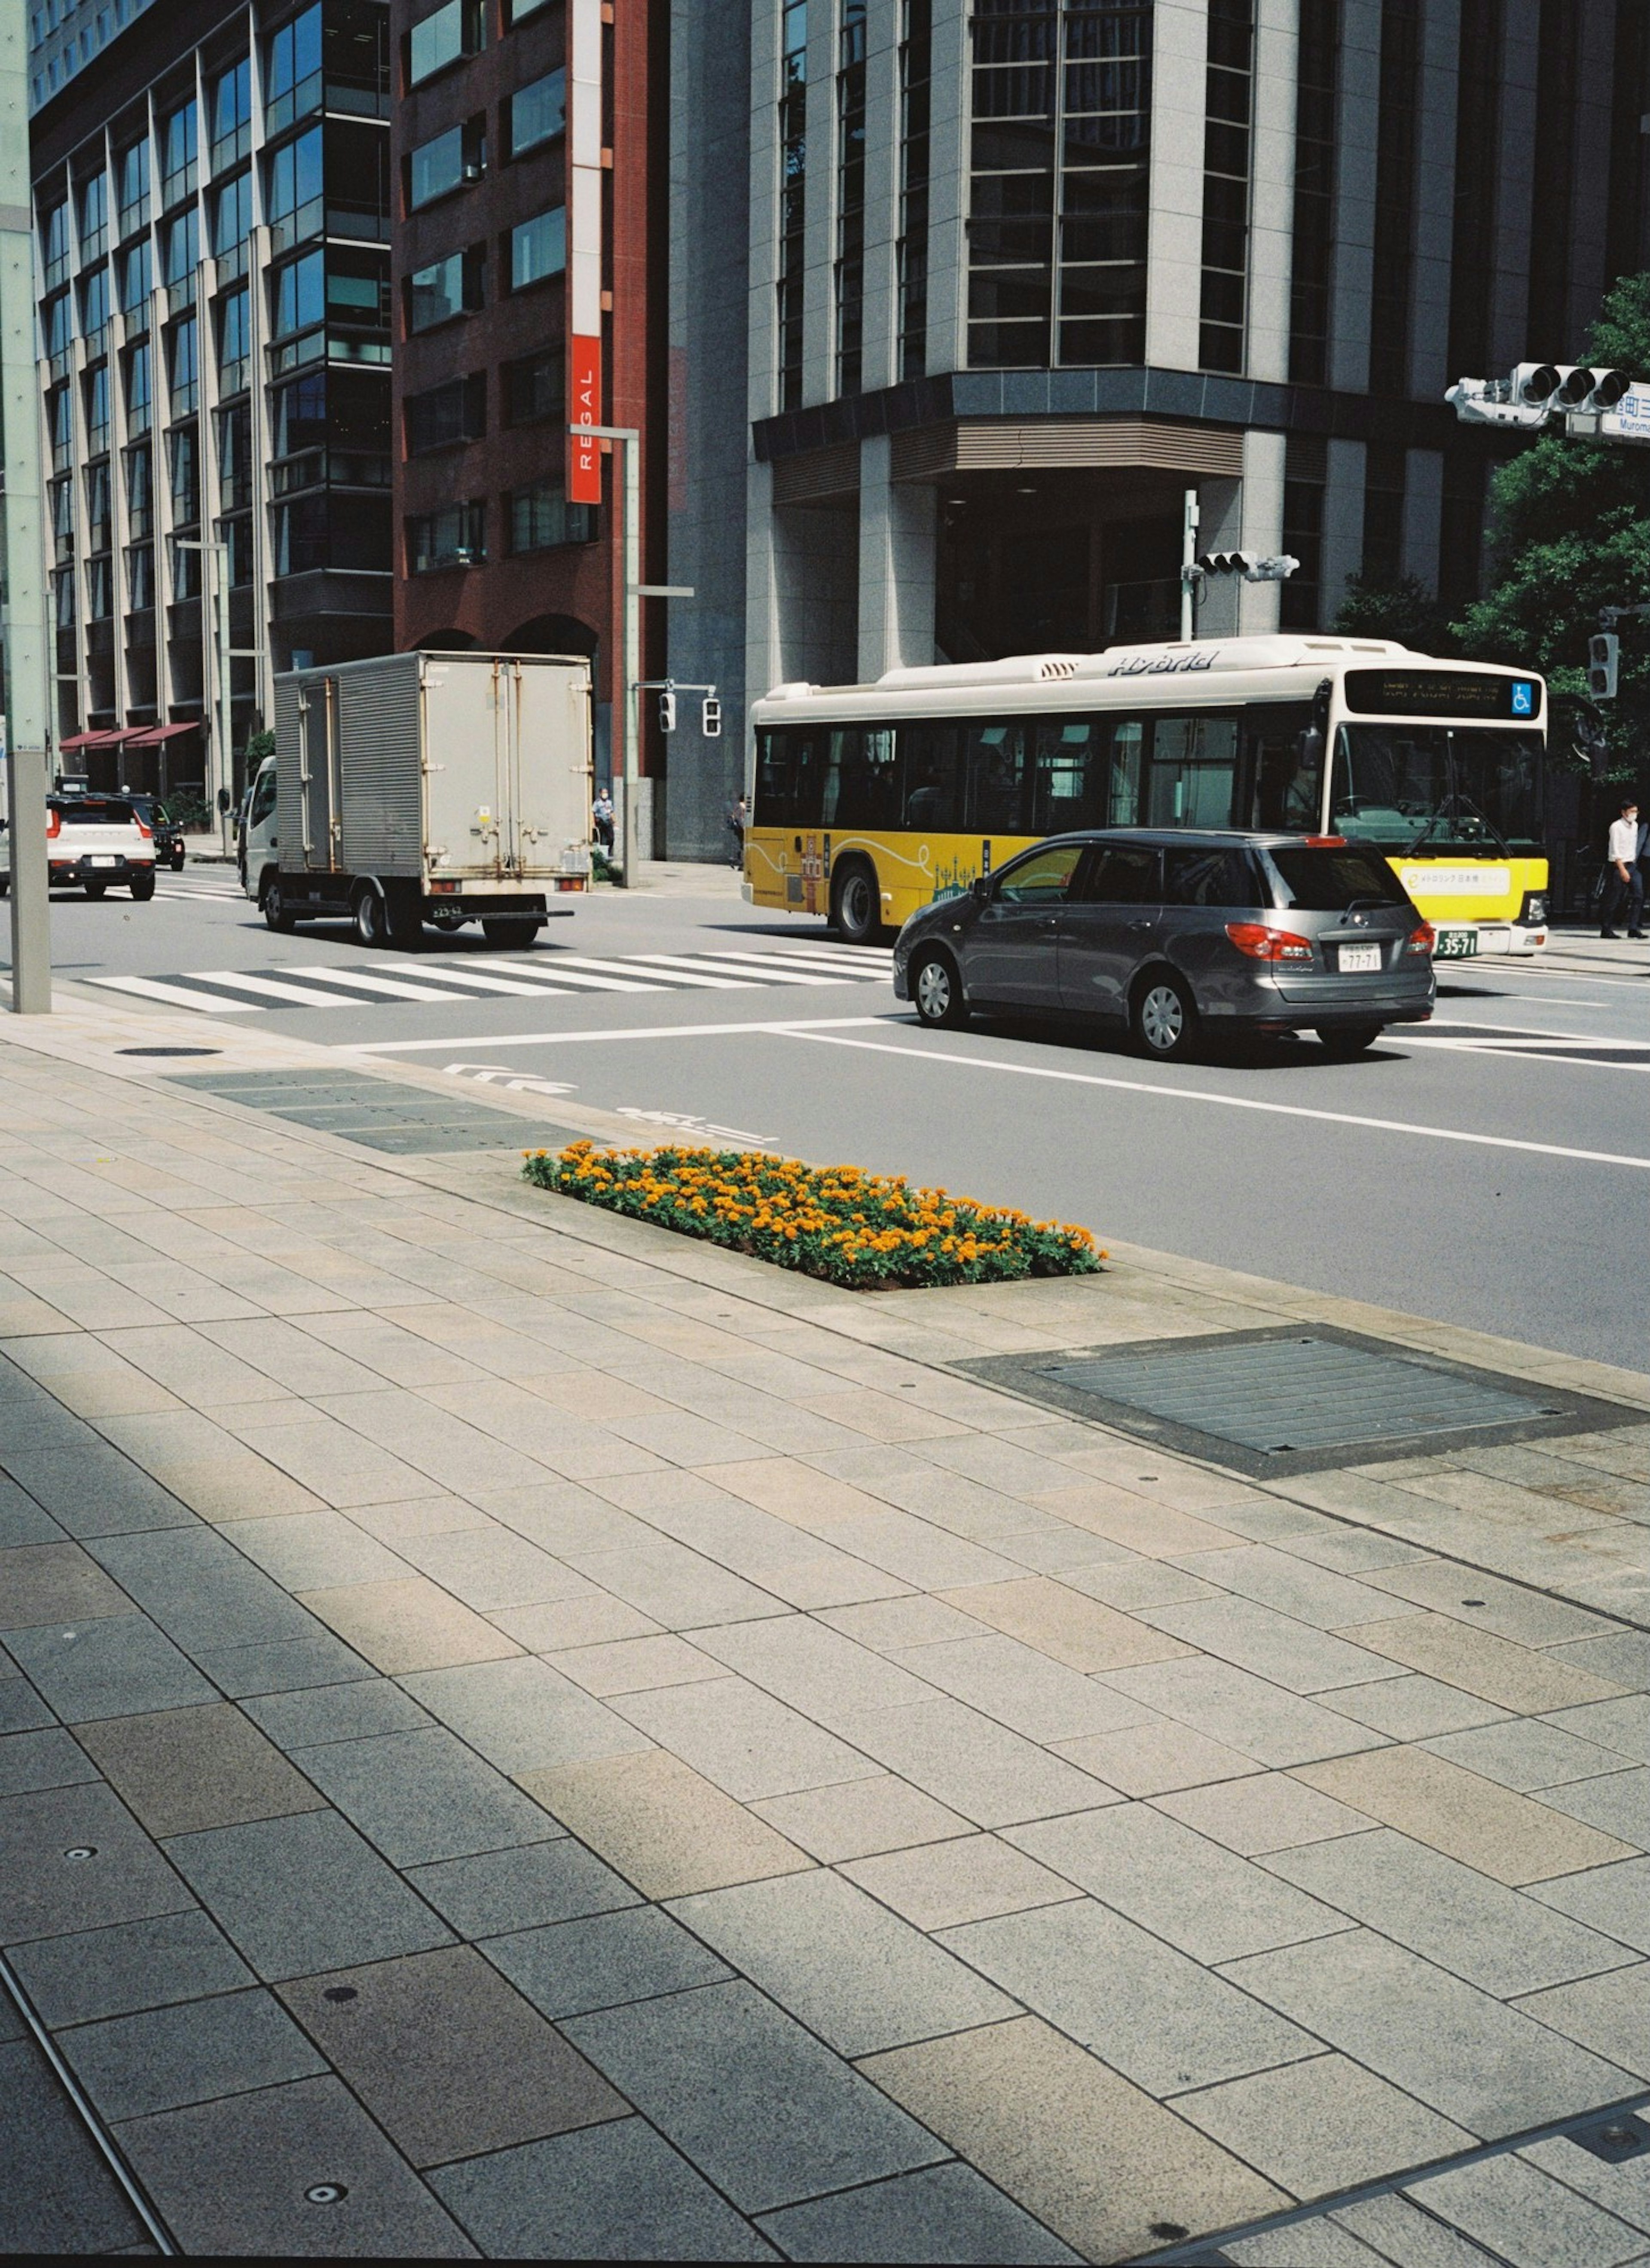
27 680
1189 577
220 785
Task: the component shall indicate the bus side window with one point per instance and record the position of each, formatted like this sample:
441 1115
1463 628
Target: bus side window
1287 768
1000 774
1067 777
1194 770
931 777
1122 772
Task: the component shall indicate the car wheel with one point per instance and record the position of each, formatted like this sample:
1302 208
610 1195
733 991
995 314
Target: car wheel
177 859
509 934
96 889
1164 1018
937 992
275 910
1341 1043
856 912
143 887
371 925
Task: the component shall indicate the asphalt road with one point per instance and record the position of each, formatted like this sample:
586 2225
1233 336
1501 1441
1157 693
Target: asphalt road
1493 1171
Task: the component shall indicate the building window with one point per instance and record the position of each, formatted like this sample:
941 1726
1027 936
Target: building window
850 198
140 490
60 425
54 243
56 327
181 253
1228 111
1102 147
455 411
1384 470
234 341
916 66
59 505
1011 215
455 30
99 507
131 179
1311 276
293 179
139 578
1396 146
183 371
516 12
135 281
537 114
136 375
456 537
95 215
292 88
234 457
535 387
792 195
346 533
97 399
1305 471
437 167
541 515
446 288
94 305
183 476
64 598
232 219
538 248
231 115
1473 261
99 589
177 154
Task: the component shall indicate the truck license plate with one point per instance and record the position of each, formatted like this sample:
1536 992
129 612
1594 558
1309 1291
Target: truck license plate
1455 945
1356 958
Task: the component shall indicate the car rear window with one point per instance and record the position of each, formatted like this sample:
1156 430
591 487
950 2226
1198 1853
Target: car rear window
1329 881
1211 877
85 811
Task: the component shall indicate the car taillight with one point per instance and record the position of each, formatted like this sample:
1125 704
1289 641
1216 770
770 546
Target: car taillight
54 824
1327 841
1422 939
1261 943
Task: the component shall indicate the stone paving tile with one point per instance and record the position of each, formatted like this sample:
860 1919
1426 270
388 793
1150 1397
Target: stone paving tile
301 1894
1493 1937
1317 2243
310 1718
1526 1754
232 2177
408 1624
132 1965
593 1619
1018 1686
663 1825
1618 1804
22 1521
1623 2188
522 1715
887 1626
1614 1899
1610 2014
1623 1657
968 1878
1274 1577
121 1667
447 2056
812 1667
755 2102
1165 2020
1297 1656
96 1491
203 1767
21 1708
744 1740
635 1665
55 1583
56 2193
1401 2233
308 1550
1197 1894
1083 1632
289 1666
616 2191
1242 1710
193 2052
492 1568
1268 1811
1414 1708
604 1962
1156 1530
1491 2069
990 1775
851 1971
1496 1669
1148 1759
45 1893
681 1590
1528 2219
942 2213
1323 2126
1128 1581
1623 1726
1507 1609
420 1796
520 1889
1099 2164
47 1758
1502 1834
200 1590
857 1818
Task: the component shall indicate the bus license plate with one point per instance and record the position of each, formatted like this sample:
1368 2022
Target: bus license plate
1455 945
1357 958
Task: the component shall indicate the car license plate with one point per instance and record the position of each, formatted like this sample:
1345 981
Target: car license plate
1455 945
1357 958
104 858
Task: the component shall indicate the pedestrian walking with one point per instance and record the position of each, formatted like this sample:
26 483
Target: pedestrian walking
736 822
1623 883
602 819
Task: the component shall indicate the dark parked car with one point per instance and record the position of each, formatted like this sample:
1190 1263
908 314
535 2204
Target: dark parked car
1168 934
167 832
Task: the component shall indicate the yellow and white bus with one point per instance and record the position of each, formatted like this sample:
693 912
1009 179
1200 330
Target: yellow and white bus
871 800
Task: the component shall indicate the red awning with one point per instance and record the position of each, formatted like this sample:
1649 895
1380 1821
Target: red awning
106 738
152 736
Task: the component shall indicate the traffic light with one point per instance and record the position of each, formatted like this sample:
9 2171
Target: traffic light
1567 385
1603 660
711 718
667 712
1251 565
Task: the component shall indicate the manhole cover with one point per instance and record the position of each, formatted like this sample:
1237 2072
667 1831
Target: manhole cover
1294 1400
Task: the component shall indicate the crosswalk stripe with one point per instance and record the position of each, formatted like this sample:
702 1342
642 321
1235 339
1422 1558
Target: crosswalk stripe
825 967
466 978
608 975
394 987
304 996
150 988
738 964
684 970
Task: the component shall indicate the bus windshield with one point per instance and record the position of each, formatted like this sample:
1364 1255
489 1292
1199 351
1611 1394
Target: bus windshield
1436 790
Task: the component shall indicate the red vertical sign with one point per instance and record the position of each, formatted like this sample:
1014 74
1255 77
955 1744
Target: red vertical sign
584 404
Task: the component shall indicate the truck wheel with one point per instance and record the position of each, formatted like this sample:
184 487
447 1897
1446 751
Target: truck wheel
509 934
275 910
372 926
143 886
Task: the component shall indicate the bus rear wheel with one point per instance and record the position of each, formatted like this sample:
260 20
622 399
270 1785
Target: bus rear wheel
856 910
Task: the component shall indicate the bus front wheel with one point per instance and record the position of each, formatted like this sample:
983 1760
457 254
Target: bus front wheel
856 913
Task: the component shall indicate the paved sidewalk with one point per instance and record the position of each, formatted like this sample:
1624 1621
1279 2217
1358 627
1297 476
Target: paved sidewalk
526 1736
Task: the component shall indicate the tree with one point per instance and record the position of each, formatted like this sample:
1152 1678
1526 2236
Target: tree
1569 533
1400 608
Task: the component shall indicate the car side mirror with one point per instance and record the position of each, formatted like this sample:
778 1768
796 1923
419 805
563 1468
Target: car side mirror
980 888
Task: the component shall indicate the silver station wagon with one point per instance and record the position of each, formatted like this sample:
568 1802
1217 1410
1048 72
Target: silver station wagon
1178 935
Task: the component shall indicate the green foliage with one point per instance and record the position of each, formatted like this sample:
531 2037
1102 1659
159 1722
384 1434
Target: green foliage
258 745
1402 610
1569 533
192 812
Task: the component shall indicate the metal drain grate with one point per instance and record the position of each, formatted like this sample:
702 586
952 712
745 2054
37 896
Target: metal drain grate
1295 1400
399 1121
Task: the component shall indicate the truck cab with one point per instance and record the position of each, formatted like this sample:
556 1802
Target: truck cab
261 860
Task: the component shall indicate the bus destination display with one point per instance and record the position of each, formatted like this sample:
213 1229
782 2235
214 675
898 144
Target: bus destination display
1442 693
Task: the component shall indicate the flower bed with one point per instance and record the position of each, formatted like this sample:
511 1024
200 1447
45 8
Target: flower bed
856 1229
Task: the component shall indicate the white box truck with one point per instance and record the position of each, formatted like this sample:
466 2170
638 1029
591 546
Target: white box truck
425 787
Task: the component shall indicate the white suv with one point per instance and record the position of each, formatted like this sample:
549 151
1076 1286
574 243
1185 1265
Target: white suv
91 840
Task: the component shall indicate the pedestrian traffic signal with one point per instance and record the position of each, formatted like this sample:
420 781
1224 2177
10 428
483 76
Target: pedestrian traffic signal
1603 660
711 718
667 712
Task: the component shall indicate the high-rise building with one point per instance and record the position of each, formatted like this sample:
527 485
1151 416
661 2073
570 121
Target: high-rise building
999 281
211 186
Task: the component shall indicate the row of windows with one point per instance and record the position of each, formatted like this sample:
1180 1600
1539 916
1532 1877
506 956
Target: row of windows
454 30
532 390
529 118
536 518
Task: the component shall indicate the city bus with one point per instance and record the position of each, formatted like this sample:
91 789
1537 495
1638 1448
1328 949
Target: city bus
871 800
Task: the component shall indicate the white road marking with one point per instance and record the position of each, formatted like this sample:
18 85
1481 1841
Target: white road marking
303 995
686 971
150 988
395 987
444 973
613 1032
755 964
622 975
